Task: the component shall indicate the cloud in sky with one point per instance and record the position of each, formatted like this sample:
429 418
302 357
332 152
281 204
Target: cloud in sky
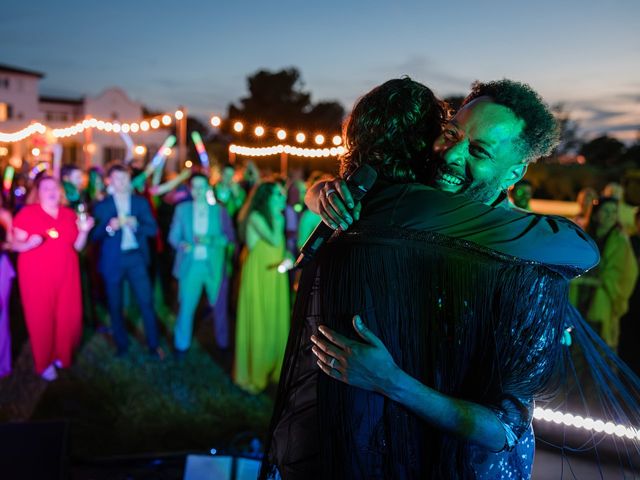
617 115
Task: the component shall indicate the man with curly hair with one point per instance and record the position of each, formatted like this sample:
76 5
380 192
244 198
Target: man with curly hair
501 127
460 297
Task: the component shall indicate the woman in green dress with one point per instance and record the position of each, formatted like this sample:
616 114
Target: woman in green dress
263 300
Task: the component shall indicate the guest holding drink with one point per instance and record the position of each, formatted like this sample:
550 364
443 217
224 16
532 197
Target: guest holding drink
48 236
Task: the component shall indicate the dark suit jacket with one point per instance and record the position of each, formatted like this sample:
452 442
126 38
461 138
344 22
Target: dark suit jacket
110 252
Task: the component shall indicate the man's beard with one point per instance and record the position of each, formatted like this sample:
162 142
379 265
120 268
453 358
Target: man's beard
483 192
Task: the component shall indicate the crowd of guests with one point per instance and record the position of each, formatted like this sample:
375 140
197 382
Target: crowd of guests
102 235
608 296
225 237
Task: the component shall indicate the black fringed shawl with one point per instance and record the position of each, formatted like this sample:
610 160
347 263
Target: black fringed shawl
463 297
465 320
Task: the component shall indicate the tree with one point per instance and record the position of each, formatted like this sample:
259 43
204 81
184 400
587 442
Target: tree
603 151
569 140
277 99
632 154
326 117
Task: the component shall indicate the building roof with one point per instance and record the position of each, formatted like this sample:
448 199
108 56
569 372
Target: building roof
67 101
10 69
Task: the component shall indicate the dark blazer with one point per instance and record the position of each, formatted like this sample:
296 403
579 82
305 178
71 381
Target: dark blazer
104 211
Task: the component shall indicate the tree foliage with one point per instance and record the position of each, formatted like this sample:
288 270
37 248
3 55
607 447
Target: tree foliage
278 99
570 142
603 151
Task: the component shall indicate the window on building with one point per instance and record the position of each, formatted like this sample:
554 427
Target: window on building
4 83
113 154
57 116
6 112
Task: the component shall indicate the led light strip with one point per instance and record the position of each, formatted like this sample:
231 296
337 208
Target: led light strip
288 149
586 423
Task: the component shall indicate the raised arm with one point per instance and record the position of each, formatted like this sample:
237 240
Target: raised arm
166 187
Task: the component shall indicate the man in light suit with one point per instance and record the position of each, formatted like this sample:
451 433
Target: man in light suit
124 225
200 238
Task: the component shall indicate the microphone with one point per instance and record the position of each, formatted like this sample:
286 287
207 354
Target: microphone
358 183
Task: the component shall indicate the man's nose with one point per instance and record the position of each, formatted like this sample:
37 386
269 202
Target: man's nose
456 154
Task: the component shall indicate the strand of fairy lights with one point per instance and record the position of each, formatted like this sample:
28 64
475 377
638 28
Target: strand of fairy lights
159 121
115 127
22 134
288 149
586 423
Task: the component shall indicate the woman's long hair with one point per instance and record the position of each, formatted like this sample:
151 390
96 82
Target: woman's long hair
393 128
593 223
258 201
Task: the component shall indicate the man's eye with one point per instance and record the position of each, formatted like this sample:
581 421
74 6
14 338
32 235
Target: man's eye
449 133
478 152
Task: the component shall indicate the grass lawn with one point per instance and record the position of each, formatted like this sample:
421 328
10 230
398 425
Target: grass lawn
137 405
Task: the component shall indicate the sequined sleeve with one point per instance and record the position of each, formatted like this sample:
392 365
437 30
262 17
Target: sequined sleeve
528 358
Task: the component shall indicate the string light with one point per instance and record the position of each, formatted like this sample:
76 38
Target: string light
288 149
586 423
146 125
140 150
22 134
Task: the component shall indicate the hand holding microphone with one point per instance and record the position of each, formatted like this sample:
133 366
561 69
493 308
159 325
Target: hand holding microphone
333 211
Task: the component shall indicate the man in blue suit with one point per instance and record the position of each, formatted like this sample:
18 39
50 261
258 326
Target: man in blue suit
124 225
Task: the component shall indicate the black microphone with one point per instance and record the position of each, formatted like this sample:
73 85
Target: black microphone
358 183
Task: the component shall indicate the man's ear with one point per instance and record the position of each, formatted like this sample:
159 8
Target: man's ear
514 175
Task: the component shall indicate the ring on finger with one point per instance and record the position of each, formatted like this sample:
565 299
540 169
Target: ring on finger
330 191
332 363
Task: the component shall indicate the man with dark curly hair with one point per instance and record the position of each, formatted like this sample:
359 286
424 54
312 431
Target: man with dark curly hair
461 298
485 148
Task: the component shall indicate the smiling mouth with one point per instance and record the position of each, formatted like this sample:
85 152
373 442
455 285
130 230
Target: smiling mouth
449 179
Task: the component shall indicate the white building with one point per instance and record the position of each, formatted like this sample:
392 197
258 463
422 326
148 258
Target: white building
21 105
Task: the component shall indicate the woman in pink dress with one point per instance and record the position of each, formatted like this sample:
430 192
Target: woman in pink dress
48 236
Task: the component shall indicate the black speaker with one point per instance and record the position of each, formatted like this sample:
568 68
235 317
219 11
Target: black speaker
34 451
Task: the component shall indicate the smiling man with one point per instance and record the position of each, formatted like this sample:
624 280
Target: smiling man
461 298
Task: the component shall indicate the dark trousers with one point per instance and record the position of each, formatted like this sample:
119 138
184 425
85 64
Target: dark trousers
134 270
